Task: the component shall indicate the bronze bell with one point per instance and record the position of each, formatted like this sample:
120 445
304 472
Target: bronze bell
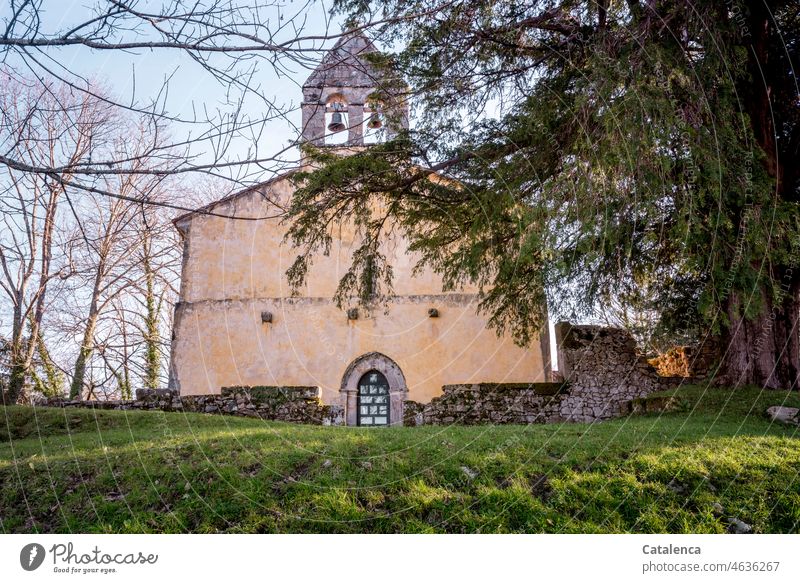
337 124
374 122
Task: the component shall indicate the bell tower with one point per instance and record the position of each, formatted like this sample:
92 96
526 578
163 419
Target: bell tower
347 103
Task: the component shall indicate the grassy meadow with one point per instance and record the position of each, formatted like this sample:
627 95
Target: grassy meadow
692 471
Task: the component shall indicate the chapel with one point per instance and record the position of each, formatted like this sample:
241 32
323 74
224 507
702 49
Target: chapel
237 322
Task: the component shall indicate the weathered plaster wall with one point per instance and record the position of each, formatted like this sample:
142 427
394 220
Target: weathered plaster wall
234 270
228 259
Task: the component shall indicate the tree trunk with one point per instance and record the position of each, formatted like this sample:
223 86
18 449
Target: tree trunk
85 352
87 346
124 378
152 356
16 384
18 372
23 350
765 350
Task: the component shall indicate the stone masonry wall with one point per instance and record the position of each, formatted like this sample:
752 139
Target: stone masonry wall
490 403
604 372
291 404
603 377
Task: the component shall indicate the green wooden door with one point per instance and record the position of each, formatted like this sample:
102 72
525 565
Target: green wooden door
373 400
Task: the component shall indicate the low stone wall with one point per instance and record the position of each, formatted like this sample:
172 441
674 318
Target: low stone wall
604 372
490 403
291 404
603 377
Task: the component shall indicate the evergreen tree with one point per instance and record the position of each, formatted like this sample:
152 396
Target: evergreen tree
627 144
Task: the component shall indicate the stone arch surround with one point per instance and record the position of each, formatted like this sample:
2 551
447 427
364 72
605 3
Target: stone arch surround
398 390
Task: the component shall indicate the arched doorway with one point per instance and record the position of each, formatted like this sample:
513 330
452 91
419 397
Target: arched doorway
373 400
389 385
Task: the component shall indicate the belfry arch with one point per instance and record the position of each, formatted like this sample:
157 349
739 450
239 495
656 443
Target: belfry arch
346 77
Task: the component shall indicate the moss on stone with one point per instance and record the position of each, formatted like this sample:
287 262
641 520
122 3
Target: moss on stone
272 396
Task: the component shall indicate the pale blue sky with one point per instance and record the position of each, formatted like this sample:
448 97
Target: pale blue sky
138 76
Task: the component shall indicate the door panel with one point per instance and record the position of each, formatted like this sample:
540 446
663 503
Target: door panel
373 400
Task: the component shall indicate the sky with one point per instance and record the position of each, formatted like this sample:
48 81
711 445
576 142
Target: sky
139 75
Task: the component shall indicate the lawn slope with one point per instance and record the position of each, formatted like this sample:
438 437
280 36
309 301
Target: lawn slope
689 471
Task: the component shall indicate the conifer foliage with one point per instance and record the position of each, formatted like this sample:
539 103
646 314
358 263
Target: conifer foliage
587 150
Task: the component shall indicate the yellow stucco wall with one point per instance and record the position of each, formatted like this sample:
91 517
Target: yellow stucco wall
234 270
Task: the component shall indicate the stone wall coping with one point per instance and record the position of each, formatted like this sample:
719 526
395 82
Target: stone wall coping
309 390
542 388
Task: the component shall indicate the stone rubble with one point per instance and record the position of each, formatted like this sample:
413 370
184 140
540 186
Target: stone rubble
736 526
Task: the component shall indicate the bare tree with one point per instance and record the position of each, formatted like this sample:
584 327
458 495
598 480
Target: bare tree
160 267
93 215
234 42
119 249
44 125
132 328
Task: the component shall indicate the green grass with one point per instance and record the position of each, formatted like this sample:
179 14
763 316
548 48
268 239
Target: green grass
117 471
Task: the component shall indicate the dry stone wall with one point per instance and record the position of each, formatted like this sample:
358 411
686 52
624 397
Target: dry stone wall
603 377
604 372
291 404
490 403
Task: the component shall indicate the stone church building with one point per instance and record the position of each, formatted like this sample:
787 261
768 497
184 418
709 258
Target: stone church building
237 323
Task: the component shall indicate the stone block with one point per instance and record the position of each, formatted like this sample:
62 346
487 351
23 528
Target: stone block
787 415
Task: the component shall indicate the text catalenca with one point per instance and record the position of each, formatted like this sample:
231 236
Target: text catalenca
669 550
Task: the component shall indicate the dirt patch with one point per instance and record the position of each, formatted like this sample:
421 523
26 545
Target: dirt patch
540 486
298 472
